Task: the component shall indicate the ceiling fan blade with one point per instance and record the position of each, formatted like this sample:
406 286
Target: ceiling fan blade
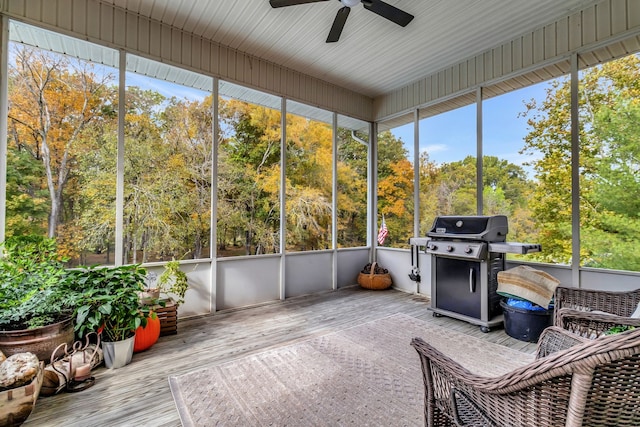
385 10
283 3
338 25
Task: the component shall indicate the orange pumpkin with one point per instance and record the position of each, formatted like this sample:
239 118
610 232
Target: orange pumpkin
147 336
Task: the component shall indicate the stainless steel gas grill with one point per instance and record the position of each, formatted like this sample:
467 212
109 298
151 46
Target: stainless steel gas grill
467 252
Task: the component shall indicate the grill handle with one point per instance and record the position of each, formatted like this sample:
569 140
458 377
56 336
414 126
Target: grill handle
472 281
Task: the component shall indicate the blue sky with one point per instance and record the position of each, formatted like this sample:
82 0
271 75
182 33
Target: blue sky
452 136
165 88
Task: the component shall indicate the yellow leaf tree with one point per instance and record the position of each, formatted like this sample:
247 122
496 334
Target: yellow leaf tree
52 99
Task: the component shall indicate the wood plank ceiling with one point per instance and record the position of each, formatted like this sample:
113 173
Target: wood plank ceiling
374 56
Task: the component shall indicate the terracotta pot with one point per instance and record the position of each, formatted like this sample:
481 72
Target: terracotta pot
39 341
147 336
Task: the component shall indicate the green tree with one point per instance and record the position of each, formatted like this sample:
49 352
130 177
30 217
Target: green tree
450 189
27 200
506 191
608 166
511 179
146 179
457 189
187 130
429 184
611 240
550 204
93 219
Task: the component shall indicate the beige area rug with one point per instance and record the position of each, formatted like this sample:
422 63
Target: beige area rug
367 375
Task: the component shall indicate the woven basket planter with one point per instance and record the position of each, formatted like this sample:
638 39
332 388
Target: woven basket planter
374 281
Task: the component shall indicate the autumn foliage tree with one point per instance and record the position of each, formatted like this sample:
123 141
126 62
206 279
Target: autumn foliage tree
352 190
63 146
308 183
395 189
248 179
53 99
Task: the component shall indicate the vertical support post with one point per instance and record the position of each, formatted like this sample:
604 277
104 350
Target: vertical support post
575 174
4 111
416 185
213 238
283 197
416 173
122 90
373 192
334 201
479 154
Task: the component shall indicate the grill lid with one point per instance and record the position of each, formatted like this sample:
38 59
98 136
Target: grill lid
485 228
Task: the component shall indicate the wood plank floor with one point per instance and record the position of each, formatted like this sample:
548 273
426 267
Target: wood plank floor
139 395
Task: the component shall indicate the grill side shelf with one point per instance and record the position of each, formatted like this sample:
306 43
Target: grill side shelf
514 248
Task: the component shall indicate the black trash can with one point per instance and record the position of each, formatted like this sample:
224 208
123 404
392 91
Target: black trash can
524 324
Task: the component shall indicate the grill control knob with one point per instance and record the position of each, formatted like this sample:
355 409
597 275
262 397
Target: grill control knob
468 250
449 248
433 246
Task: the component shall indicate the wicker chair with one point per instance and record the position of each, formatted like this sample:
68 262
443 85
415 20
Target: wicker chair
573 382
574 310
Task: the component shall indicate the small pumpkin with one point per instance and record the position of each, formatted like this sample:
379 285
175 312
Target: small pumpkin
148 335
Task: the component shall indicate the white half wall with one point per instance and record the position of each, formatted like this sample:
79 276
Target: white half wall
308 273
350 262
197 300
247 281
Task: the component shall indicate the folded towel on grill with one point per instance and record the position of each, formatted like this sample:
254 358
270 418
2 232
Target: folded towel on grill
527 283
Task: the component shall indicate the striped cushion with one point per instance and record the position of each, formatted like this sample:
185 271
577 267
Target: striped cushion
527 283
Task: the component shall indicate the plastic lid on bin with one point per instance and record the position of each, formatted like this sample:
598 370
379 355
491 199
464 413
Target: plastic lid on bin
526 305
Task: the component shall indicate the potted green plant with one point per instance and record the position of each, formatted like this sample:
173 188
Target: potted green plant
168 290
110 306
37 297
173 281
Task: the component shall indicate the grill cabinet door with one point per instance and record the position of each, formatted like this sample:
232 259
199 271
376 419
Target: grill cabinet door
458 287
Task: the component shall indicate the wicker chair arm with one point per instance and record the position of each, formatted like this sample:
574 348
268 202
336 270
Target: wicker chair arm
555 339
456 396
538 393
590 324
517 379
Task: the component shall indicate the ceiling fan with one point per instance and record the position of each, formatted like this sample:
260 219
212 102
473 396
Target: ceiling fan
379 7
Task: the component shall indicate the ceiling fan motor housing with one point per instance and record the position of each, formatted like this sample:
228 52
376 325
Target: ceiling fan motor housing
349 3
379 7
